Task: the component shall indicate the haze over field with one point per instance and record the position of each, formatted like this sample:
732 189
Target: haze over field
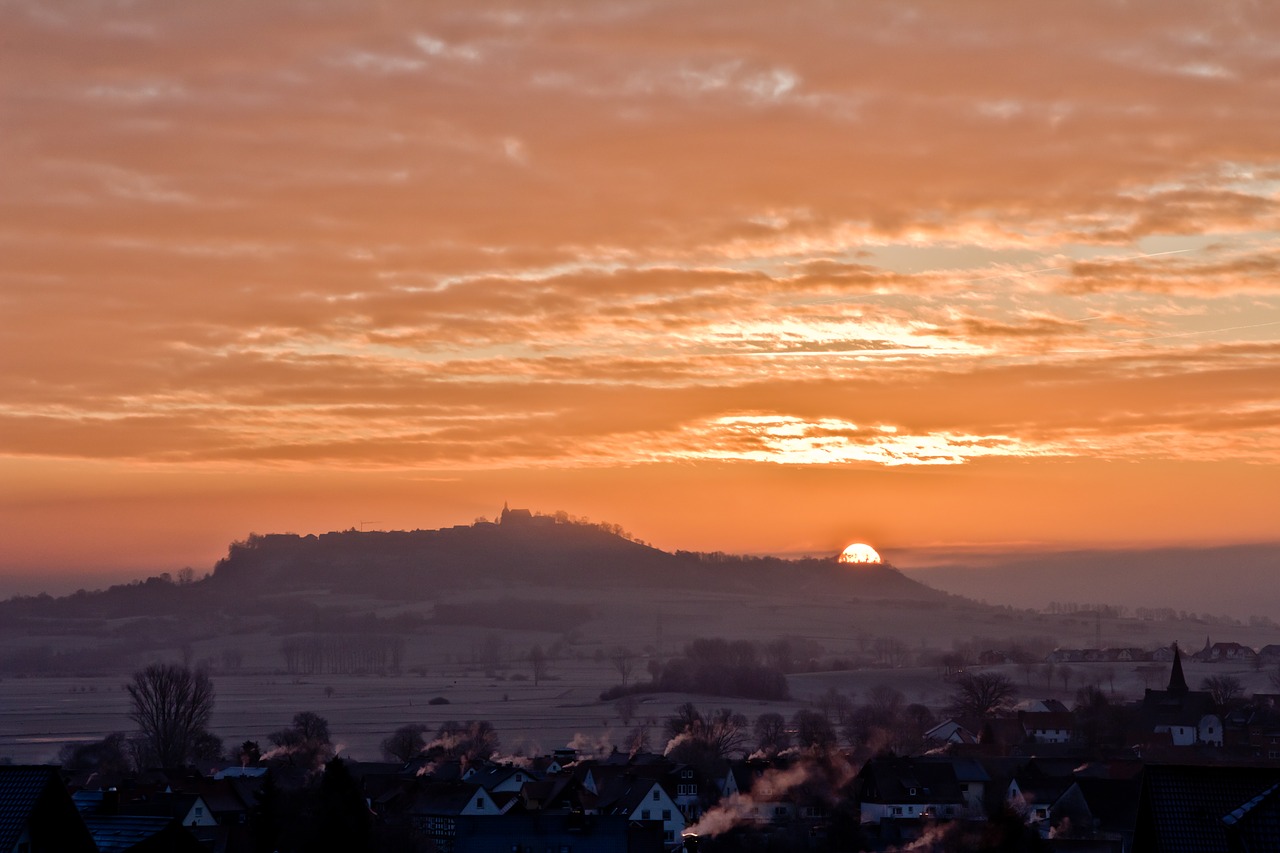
743 277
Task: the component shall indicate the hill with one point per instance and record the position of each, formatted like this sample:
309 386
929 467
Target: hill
533 552
454 585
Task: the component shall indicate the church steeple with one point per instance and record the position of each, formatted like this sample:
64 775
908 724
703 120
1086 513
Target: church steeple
1177 681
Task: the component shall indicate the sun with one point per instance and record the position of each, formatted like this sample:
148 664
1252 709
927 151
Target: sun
859 553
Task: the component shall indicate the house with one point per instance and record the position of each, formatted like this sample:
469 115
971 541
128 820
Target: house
1225 653
891 788
1202 808
641 799
498 779
146 819
951 731
432 809
37 815
1047 726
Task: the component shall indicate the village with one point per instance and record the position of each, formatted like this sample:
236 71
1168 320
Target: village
1181 769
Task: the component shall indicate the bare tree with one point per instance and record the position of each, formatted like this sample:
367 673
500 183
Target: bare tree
405 743
538 662
981 694
623 660
813 730
834 705
1065 673
1225 689
171 705
771 733
305 743
637 740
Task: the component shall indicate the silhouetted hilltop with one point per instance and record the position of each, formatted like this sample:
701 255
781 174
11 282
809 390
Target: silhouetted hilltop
535 555
525 550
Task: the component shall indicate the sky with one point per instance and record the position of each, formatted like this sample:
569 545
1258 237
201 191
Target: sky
743 276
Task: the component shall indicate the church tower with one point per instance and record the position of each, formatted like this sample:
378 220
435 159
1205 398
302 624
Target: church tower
1177 681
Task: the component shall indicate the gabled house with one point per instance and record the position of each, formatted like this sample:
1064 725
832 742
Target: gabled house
1226 653
895 789
951 731
498 778
1047 726
433 809
641 799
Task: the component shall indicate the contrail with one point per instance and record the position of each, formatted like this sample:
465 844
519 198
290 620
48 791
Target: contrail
1203 332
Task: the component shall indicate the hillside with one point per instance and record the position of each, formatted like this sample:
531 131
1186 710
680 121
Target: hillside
528 574
535 552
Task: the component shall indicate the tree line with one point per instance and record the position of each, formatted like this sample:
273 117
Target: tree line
343 654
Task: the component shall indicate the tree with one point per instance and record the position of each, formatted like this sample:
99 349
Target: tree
1225 689
109 757
835 706
771 733
704 741
304 743
171 705
538 663
404 743
623 661
1065 673
473 740
981 694
813 730
343 820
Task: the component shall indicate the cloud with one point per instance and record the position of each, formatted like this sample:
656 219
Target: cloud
424 238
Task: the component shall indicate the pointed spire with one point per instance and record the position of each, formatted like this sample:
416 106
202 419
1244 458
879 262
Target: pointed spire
1177 681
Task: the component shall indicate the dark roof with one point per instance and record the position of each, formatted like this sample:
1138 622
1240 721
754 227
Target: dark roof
1187 809
20 790
910 780
34 798
117 833
447 799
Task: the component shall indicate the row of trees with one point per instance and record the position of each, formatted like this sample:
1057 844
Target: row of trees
338 654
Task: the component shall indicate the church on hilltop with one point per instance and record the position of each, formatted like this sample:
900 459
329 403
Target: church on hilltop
523 518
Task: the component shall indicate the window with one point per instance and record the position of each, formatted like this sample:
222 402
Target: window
913 792
666 814
669 835
644 814
656 795
479 802
779 811
897 810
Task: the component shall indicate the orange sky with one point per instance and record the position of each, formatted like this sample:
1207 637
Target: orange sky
740 276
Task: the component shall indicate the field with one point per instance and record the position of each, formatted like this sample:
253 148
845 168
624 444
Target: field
38 715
